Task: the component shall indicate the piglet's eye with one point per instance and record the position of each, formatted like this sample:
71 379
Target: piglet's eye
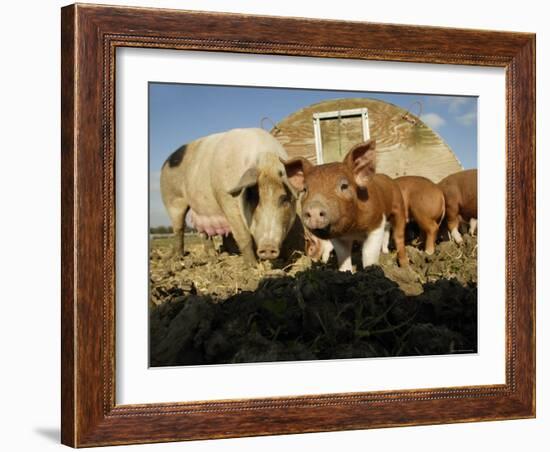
344 186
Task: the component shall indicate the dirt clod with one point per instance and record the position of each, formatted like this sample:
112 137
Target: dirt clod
213 309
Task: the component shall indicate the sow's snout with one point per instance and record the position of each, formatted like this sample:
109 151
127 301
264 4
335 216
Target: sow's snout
268 250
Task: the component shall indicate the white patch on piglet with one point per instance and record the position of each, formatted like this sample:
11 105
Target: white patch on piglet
473 226
327 249
373 244
342 247
456 235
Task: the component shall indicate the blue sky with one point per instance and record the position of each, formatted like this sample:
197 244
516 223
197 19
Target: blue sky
180 113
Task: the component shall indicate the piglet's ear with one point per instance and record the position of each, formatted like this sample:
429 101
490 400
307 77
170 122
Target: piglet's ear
361 159
296 170
248 179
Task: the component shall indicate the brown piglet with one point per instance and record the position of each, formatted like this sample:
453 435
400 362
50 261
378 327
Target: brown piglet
346 202
460 190
424 204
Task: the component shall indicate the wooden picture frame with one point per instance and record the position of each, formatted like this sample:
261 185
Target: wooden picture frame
90 36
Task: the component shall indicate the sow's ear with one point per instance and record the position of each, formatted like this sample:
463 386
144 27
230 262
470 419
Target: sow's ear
361 159
296 170
248 179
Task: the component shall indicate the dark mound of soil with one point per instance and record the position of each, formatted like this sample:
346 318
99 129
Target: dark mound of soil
317 313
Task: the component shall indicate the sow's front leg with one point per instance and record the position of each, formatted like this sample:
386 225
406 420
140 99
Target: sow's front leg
244 239
246 245
241 233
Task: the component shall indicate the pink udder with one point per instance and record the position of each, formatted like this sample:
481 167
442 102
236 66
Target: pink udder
209 224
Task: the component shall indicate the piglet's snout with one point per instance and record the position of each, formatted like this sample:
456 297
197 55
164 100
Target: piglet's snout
267 250
316 216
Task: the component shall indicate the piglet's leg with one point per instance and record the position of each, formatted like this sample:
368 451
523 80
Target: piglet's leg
473 226
455 234
373 244
453 223
342 247
429 227
398 227
386 241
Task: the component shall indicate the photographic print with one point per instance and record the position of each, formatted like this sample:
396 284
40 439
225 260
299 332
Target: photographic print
269 225
295 224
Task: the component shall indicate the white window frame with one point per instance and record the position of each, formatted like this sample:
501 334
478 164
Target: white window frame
317 117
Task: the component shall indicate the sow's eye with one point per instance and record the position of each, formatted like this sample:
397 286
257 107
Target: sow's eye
284 200
252 197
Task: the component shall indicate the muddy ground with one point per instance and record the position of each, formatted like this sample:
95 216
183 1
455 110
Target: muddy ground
210 308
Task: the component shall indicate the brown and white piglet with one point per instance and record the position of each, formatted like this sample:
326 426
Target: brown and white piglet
346 202
460 190
424 204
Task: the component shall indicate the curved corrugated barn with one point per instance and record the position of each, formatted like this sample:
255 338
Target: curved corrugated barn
325 131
